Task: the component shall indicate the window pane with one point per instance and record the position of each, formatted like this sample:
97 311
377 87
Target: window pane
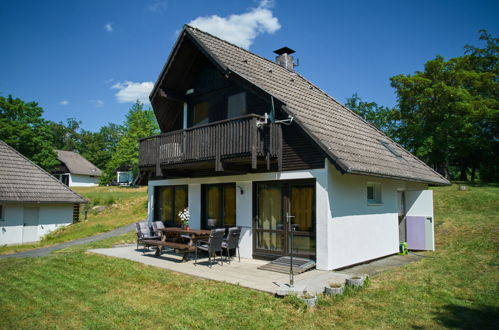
236 105
201 113
180 201
269 207
302 199
230 205
370 193
270 241
213 206
165 204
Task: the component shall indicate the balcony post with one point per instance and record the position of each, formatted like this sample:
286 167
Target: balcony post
218 148
158 160
253 137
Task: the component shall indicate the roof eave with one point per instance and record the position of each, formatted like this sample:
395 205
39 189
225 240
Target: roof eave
397 177
84 201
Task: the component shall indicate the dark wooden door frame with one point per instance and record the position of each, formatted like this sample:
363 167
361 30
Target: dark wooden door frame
286 207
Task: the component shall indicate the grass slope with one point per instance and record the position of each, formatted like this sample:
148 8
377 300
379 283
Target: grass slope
123 206
455 287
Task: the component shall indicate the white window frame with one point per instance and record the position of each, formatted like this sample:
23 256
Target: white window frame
377 190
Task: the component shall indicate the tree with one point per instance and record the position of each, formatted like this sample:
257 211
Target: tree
23 128
380 116
66 136
449 112
139 123
99 147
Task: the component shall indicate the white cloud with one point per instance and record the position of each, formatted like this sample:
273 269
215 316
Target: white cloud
157 6
64 102
108 27
129 91
99 103
240 29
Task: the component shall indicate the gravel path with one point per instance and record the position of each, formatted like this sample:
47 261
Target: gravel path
43 252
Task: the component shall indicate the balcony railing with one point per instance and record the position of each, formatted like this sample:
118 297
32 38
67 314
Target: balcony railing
230 138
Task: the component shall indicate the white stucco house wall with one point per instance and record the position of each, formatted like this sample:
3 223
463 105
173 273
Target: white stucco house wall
75 170
32 202
251 143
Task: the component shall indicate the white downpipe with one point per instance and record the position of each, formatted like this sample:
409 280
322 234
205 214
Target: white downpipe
185 115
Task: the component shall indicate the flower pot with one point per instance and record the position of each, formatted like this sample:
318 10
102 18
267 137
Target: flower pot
355 281
334 291
310 301
187 227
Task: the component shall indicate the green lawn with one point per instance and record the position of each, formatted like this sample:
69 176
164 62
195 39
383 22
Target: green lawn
123 206
456 286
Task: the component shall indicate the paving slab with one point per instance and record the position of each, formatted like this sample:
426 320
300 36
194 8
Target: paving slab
244 273
375 267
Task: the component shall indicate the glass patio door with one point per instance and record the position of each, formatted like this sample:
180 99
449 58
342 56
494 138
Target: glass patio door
281 205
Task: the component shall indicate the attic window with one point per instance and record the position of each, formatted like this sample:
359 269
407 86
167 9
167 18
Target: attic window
390 148
374 193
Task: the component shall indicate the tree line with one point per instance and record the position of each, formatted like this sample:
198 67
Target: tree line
23 127
447 114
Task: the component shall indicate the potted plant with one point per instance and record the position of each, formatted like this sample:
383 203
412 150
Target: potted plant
335 289
355 281
184 216
309 299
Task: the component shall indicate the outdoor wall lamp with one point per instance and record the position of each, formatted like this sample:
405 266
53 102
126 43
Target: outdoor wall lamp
241 189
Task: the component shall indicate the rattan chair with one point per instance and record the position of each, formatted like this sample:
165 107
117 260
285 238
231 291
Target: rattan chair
213 245
144 232
232 242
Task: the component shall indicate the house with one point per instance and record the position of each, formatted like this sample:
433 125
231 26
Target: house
32 202
124 176
250 142
75 170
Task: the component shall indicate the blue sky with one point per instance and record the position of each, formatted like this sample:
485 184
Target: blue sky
90 59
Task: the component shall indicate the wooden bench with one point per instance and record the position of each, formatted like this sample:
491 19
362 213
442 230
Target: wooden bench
180 247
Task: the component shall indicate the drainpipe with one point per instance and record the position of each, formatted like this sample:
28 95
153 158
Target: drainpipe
185 116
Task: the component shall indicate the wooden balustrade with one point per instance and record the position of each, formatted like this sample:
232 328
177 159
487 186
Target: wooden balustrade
231 138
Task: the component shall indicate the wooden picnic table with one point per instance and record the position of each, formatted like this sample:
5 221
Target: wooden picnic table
185 248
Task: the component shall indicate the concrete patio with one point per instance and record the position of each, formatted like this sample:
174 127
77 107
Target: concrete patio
244 273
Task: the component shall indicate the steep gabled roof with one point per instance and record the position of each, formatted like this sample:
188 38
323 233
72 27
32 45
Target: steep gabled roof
23 181
353 144
77 164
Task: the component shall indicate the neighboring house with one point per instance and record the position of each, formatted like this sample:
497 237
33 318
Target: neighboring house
249 142
124 176
32 202
76 171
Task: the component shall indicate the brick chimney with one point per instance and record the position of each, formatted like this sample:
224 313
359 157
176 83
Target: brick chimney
284 58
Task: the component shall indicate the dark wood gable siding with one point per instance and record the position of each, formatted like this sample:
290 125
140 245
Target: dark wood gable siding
299 152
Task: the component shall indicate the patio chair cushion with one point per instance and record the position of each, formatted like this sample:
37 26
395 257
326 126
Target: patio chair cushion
144 231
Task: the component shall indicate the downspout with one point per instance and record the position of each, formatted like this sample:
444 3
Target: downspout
184 126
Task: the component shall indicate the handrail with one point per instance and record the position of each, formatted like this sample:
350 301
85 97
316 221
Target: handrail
233 137
252 115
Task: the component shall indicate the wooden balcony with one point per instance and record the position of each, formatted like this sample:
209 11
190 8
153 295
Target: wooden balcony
222 141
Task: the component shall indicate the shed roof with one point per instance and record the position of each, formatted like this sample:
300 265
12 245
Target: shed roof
352 143
77 164
23 181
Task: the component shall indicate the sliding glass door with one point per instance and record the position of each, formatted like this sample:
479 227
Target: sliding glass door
280 206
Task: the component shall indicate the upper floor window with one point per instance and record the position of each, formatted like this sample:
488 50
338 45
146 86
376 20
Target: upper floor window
201 113
374 193
236 105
